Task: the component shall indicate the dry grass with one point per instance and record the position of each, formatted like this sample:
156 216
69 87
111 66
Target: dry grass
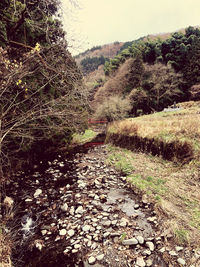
174 189
179 127
5 251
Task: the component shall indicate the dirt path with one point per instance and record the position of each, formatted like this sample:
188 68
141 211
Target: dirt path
80 212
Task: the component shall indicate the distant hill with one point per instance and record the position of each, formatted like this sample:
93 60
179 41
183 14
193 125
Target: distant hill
107 50
91 59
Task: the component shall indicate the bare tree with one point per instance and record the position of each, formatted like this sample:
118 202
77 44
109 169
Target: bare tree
41 95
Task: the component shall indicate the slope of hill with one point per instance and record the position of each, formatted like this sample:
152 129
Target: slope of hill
107 50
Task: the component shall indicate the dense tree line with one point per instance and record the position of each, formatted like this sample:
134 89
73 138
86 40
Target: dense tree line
181 51
90 64
42 101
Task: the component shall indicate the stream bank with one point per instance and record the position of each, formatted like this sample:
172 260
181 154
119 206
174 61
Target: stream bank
79 212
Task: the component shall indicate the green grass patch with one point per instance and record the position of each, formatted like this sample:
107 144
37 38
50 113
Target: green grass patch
87 136
120 160
123 237
195 222
150 185
181 235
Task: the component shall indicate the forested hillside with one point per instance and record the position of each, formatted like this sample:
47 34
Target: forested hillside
151 74
92 58
42 100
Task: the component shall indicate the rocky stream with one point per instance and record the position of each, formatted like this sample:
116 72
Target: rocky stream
80 212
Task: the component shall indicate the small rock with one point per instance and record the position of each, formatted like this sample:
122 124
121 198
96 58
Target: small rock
79 210
64 207
106 234
149 262
62 232
28 200
86 228
144 199
114 222
181 261
140 239
150 245
57 238
77 246
136 206
66 251
132 241
38 245
140 262
89 244
173 253
107 223
94 246
162 249
151 219
100 257
178 248
146 252
91 260
37 193
123 222
71 232
71 211
44 232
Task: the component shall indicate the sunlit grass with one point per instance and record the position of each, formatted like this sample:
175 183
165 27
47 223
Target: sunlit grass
87 136
182 236
180 128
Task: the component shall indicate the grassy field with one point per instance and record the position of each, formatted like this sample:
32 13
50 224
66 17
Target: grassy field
178 129
171 185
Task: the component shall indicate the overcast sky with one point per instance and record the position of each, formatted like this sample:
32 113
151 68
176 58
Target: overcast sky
99 22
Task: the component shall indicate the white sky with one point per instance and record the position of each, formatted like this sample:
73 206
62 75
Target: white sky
99 22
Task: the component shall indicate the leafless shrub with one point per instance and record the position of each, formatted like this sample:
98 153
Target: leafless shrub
113 108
